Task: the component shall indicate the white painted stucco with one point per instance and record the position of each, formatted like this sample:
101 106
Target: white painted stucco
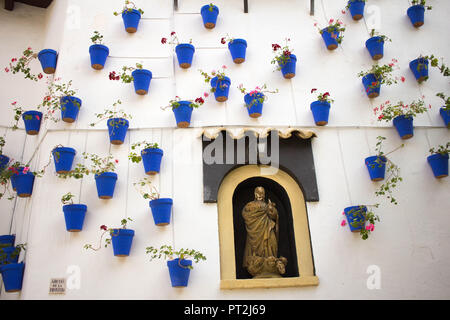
411 244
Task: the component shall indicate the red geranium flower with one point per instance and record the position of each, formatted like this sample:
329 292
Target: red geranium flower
222 41
103 227
163 40
312 90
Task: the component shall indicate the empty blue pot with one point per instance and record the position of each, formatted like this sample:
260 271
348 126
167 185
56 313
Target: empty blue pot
122 239
141 80
4 160
404 126
377 167
12 275
420 69
445 114
355 217
74 216
439 164
288 68
221 88
70 106
209 16
375 46
183 114
254 104
320 111
161 210
179 272
151 158
63 158
106 183
9 255
7 240
356 9
185 54
32 121
372 85
117 128
99 53
238 49
416 14
48 58
330 39
131 20
24 184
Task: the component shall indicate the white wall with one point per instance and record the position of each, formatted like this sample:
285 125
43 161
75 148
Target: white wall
410 245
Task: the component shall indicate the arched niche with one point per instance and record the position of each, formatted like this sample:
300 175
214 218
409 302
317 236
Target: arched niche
304 273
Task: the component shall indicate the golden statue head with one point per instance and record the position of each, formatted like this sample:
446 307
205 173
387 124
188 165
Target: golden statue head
260 193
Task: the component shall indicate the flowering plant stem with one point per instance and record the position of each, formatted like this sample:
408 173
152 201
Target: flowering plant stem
136 158
22 65
146 189
97 167
112 233
128 7
167 252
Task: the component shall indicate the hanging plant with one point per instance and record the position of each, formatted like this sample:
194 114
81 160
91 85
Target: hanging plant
182 110
98 52
4 160
209 15
254 99
151 155
220 83
358 216
47 58
375 44
11 270
131 15
120 238
179 263
284 59
438 160
22 178
356 8
32 119
379 75
321 108
185 51
237 48
60 96
416 12
140 77
445 110
420 67
74 214
333 34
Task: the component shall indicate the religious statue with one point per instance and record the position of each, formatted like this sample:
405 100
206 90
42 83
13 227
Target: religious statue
261 248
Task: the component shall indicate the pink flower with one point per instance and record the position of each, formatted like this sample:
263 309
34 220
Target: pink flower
13 60
206 94
331 21
343 223
117 161
222 41
370 227
224 67
40 76
315 24
25 170
6 70
38 118
14 103
403 79
343 11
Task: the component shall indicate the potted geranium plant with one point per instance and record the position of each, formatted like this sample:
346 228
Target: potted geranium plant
209 14
151 155
333 34
32 119
254 99
63 158
4 160
140 77
420 67
47 57
11 270
220 83
179 263
98 51
121 239
356 8
184 51
22 178
117 122
285 60
378 75
438 160
358 216
131 15
182 110
402 115
74 214
161 207
321 108
60 96
375 44
376 165
416 12
237 48
445 110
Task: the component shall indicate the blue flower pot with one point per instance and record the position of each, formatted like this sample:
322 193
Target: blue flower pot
183 114
152 160
355 217
185 54
320 111
404 126
70 106
106 183
330 39
375 46
179 272
368 82
4 160
357 9
254 104
377 167
74 216
209 16
24 184
141 80
32 121
10 255
221 88
117 128
12 275
439 164
13 179
420 69
63 158
445 114
161 210
7 240
288 68
131 20
416 14
238 49
48 58
99 53
122 239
